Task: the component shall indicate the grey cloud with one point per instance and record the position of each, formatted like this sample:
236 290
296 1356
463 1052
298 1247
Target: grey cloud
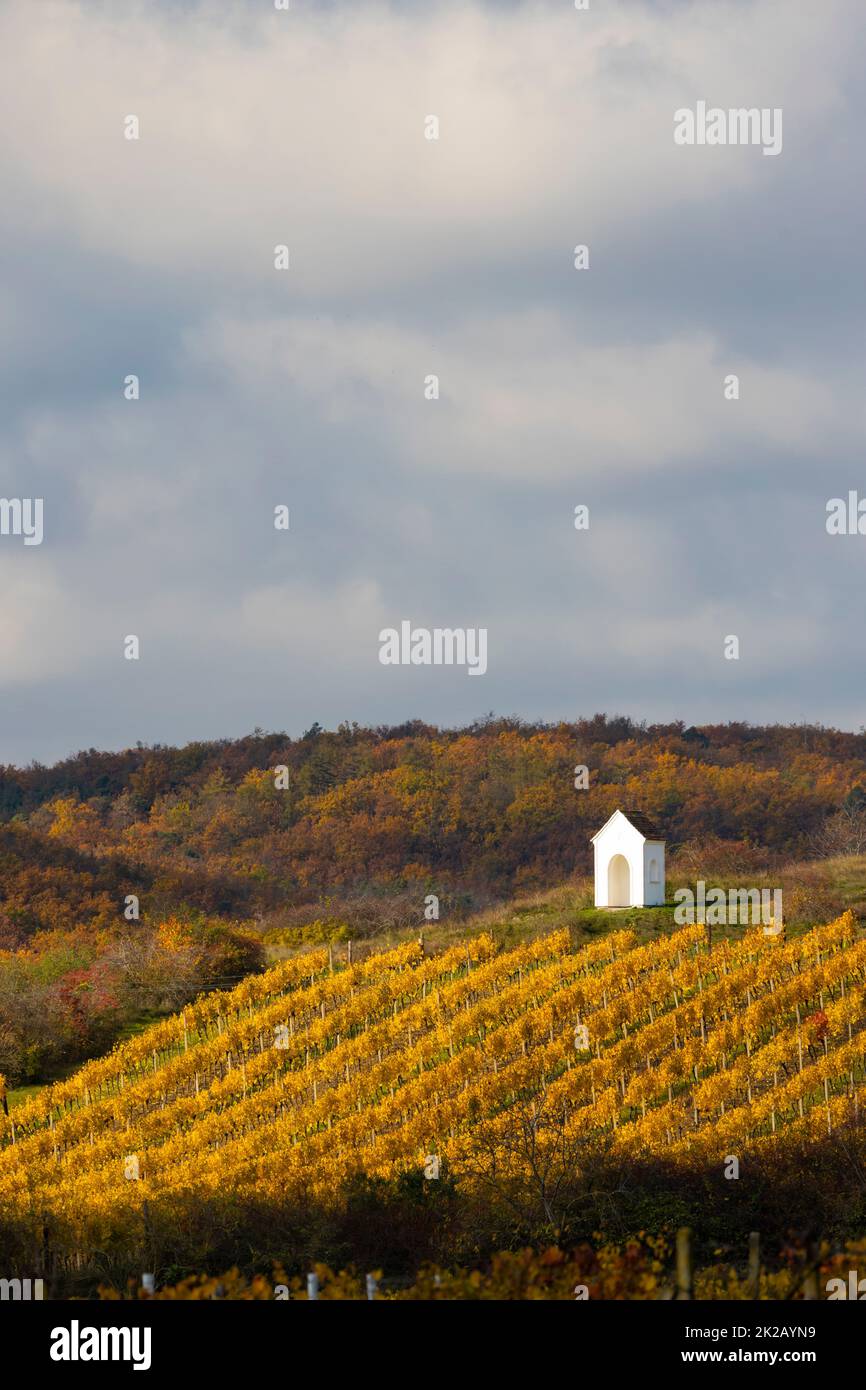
558 387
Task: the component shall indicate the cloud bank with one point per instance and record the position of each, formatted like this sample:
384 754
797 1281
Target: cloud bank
412 259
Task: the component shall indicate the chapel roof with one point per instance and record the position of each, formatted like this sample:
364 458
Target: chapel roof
641 822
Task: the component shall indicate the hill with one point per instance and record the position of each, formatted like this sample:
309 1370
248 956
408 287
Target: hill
486 810
131 881
483 1091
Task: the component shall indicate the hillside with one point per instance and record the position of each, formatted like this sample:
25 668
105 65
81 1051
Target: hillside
480 812
131 881
524 1073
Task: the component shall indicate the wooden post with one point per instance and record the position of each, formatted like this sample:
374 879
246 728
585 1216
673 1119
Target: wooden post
44 1250
754 1264
372 1286
684 1262
148 1230
810 1281
312 1286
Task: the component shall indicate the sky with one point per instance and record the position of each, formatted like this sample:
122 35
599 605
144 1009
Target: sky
409 257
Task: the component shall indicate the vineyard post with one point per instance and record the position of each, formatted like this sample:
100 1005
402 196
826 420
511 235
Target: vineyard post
810 1282
312 1287
45 1250
372 1286
148 1229
754 1263
684 1262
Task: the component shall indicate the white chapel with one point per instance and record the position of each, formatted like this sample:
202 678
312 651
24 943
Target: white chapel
629 862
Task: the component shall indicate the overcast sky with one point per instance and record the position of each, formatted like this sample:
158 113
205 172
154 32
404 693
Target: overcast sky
410 257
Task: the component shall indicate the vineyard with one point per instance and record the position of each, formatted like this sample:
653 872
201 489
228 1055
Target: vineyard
315 1071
